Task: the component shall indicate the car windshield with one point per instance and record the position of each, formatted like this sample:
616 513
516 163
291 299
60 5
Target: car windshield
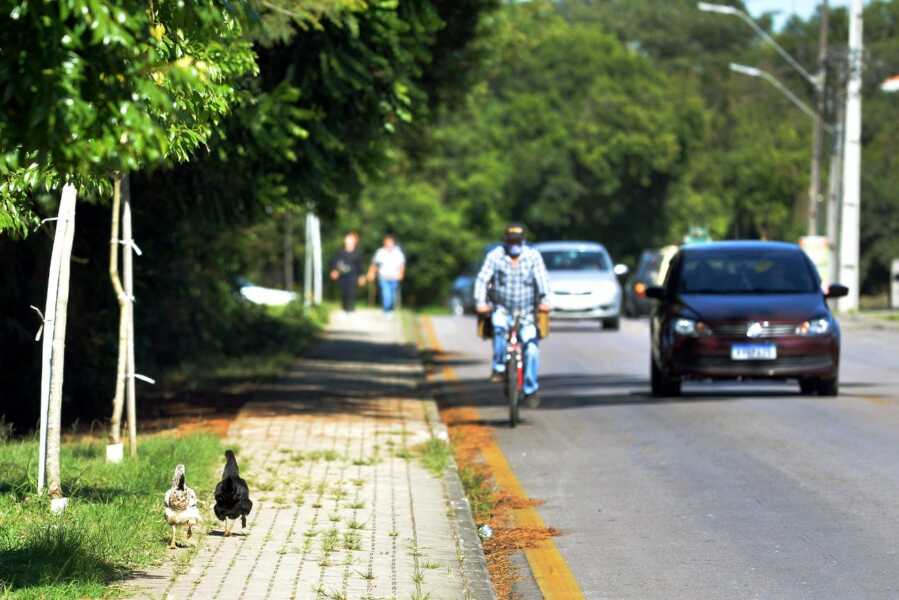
746 272
648 268
575 260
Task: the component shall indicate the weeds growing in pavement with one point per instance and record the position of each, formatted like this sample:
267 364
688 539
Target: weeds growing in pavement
330 541
479 491
404 454
352 541
435 455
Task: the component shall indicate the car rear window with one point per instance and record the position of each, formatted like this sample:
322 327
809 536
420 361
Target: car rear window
575 260
746 272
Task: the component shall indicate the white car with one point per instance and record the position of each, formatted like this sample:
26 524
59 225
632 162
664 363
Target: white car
266 296
583 282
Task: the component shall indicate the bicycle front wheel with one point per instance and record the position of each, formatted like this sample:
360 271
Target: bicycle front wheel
513 389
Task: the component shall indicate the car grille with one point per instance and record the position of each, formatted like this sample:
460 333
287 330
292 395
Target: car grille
767 330
568 293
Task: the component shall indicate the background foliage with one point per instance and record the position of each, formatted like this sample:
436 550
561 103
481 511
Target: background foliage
438 120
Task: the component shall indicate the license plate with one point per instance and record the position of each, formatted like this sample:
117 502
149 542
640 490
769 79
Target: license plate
753 352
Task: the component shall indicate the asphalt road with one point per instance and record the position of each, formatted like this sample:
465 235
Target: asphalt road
738 491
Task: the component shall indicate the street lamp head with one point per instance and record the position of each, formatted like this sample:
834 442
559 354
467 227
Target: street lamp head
750 71
718 8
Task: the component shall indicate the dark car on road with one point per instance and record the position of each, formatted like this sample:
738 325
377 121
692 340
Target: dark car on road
650 271
744 310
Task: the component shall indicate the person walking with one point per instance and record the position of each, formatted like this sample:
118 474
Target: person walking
520 286
389 263
346 270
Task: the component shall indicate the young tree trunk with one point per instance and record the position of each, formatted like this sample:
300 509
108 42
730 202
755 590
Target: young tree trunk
307 262
127 256
47 345
288 252
118 401
317 262
65 227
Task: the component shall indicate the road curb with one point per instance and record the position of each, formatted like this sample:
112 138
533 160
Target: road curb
863 321
468 543
472 562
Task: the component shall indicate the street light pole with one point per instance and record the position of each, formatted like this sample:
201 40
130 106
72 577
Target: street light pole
817 82
850 222
755 72
723 9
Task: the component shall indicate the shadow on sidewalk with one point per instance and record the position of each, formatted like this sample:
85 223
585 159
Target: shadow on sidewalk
343 373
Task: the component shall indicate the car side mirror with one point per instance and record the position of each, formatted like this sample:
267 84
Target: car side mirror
837 291
621 270
656 292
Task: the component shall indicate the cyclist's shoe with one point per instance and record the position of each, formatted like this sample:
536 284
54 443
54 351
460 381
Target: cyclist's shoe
497 377
532 400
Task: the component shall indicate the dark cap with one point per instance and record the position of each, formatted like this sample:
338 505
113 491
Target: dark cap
514 233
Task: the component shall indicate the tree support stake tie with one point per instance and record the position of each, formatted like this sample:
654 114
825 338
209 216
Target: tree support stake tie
133 245
44 321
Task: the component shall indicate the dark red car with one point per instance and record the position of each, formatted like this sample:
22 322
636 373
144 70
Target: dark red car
744 310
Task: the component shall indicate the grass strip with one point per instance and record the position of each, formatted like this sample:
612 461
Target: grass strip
114 522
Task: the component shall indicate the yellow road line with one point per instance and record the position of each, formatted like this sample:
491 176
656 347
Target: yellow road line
552 573
875 400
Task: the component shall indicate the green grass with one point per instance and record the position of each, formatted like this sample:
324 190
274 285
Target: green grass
435 455
114 522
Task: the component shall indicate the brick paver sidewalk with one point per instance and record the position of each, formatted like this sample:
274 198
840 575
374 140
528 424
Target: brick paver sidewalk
343 509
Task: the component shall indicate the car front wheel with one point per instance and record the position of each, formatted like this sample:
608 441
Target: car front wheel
829 387
611 324
662 385
808 387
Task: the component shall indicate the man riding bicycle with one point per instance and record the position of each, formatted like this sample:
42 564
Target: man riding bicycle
520 288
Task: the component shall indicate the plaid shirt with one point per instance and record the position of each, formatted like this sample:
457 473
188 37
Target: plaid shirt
516 288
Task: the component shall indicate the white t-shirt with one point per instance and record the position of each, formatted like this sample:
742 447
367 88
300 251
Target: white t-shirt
389 262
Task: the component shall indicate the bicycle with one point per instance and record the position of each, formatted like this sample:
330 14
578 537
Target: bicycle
515 366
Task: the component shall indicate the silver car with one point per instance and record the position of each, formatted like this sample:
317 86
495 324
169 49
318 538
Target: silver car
584 283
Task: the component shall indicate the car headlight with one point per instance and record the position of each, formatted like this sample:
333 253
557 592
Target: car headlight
691 328
814 327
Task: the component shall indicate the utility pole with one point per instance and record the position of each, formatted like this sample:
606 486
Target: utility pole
850 221
288 251
814 192
835 192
